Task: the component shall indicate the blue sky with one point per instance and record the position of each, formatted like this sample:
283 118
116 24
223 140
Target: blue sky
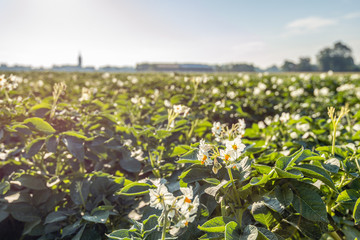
119 32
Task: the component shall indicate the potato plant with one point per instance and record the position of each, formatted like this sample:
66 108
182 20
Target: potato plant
179 156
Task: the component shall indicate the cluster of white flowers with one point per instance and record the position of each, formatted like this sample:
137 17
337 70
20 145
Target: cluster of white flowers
203 154
180 210
11 83
138 101
231 153
217 130
241 127
345 87
85 94
181 109
322 92
259 88
284 117
297 93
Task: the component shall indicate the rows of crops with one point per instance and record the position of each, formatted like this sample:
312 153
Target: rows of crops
169 156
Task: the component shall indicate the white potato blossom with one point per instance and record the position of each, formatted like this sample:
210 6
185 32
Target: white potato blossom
204 157
85 94
180 210
322 92
345 87
284 117
297 93
11 83
261 125
204 147
216 129
160 197
241 125
181 109
228 155
235 145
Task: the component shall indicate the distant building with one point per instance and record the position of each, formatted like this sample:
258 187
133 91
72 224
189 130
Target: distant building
173 67
79 61
116 69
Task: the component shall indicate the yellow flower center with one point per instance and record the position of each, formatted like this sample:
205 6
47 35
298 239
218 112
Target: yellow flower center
187 200
203 159
234 147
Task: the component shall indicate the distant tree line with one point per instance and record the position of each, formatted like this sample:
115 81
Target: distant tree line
338 58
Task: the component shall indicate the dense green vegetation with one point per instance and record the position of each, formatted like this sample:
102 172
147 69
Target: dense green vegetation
155 156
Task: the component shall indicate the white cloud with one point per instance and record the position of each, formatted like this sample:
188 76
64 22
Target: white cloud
352 15
304 25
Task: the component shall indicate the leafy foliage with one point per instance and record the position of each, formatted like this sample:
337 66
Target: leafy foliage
84 165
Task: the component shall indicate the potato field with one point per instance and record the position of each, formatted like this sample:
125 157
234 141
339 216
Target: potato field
179 156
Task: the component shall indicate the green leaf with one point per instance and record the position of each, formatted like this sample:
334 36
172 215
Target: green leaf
40 106
356 212
308 203
29 226
178 150
79 191
273 203
259 180
3 215
266 234
285 162
150 224
70 229
4 187
134 189
98 216
317 173
22 129
350 232
51 143
34 147
121 234
263 214
195 174
311 229
24 212
39 125
79 233
263 169
232 231
129 163
250 233
284 195
161 134
332 165
216 224
75 146
31 182
75 135
348 198
213 181
55 217
292 173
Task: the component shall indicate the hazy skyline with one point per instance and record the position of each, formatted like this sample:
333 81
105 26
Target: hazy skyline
110 32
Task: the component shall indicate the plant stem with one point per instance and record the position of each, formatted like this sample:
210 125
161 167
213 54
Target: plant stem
163 235
333 140
233 184
222 206
335 236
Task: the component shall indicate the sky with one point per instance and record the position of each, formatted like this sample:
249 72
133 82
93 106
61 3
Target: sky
123 33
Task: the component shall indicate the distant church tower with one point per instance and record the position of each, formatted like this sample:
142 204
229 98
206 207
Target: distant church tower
79 61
